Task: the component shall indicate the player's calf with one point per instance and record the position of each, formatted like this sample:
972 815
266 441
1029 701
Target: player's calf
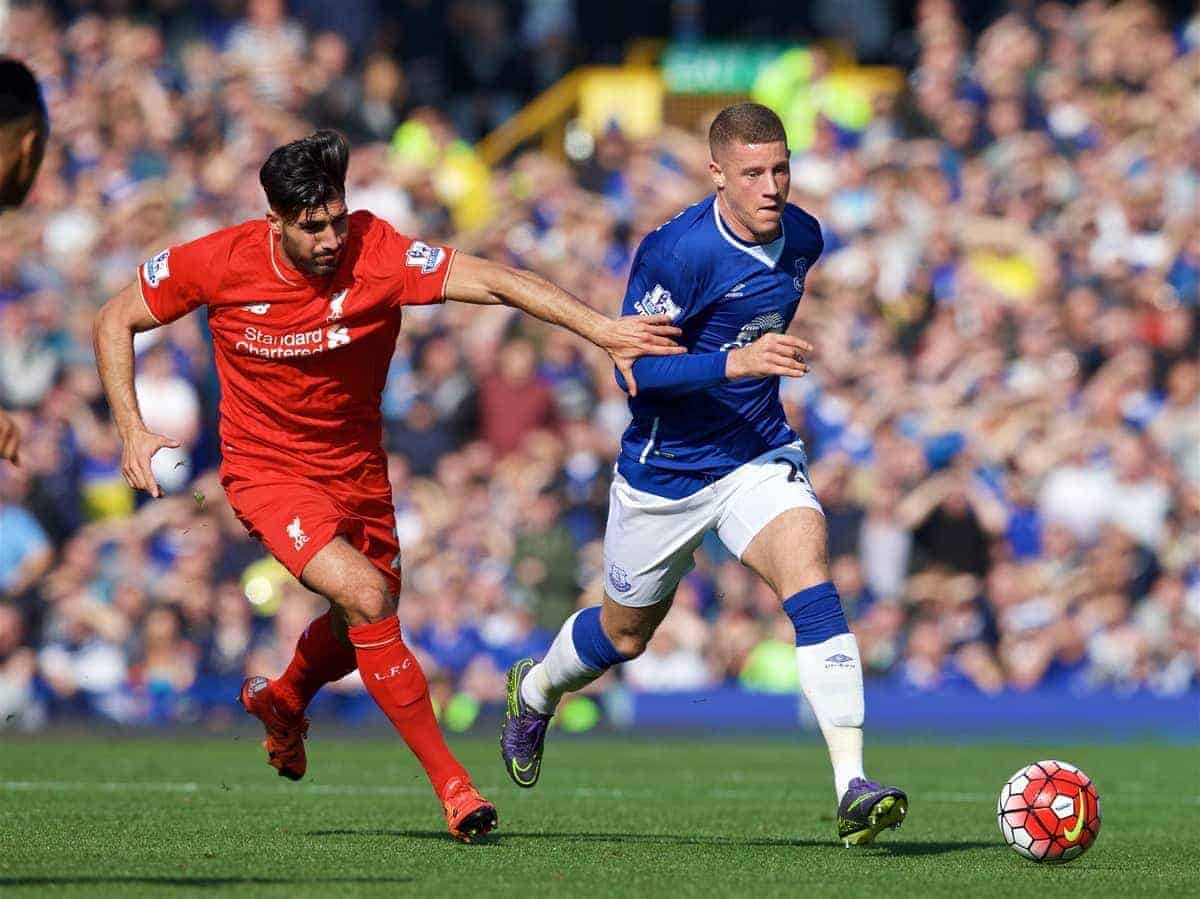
580 653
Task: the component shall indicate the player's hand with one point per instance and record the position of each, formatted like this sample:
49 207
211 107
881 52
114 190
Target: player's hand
10 438
630 337
770 355
140 447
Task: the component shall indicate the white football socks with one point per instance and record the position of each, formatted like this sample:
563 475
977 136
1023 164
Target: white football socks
560 672
831 678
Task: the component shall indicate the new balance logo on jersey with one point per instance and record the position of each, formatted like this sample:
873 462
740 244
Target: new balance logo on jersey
424 257
394 670
157 269
657 302
258 308
337 336
335 305
299 538
738 291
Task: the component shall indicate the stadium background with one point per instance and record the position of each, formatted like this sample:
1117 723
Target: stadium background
1004 421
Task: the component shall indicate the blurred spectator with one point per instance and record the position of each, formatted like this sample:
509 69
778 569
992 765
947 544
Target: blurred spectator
25 551
269 46
512 400
170 406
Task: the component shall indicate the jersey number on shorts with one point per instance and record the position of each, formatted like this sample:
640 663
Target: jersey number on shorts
794 472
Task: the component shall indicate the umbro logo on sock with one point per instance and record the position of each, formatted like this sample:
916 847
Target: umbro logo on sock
839 660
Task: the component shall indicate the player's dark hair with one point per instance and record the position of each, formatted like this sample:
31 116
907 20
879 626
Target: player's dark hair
745 123
306 174
20 95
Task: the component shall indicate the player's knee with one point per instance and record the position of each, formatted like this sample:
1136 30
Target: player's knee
377 606
368 599
630 644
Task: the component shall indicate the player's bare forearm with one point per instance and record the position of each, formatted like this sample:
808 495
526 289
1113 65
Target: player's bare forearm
112 339
112 336
475 280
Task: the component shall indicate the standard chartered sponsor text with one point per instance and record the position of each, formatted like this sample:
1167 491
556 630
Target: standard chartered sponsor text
256 342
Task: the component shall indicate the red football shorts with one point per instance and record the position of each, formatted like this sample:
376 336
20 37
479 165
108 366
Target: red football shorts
296 518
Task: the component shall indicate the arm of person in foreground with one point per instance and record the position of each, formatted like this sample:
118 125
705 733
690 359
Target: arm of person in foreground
771 355
117 321
472 279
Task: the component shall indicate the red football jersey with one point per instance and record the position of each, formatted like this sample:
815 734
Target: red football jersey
302 360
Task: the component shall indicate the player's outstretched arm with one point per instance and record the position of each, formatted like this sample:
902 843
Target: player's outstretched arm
472 279
112 337
771 355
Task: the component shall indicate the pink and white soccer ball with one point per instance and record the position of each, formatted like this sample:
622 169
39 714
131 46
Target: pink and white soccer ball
1049 812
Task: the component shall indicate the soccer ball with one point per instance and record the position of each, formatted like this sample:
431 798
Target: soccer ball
1049 812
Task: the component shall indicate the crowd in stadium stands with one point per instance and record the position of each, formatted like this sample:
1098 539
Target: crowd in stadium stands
1003 420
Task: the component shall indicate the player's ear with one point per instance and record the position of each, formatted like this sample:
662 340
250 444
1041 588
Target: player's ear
717 175
275 222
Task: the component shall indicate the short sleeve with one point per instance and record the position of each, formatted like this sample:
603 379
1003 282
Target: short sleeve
418 269
658 285
184 277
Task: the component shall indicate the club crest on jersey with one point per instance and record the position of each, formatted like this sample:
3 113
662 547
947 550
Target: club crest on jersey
258 308
335 305
619 578
801 272
296 532
657 302
426 258
156 269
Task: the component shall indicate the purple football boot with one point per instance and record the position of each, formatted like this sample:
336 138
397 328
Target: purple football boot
523 734
868 808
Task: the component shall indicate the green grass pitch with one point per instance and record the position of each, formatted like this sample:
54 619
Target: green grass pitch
702 816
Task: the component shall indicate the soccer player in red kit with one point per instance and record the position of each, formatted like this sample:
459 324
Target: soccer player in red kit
304 308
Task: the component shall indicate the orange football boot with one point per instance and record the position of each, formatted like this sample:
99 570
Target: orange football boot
467 813
285 737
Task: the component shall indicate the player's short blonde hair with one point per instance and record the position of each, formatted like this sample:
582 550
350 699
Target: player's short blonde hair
745 123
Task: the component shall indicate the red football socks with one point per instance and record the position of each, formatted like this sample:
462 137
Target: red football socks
320 659
394 678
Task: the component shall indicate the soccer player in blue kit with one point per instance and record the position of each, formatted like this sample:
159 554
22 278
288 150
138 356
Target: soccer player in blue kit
709 448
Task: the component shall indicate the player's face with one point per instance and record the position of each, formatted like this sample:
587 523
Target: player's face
753 181
313 243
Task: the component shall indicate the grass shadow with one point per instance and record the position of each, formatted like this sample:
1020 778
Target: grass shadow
896 847
182 881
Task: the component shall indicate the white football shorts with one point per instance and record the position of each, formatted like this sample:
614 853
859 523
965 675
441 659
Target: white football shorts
650 541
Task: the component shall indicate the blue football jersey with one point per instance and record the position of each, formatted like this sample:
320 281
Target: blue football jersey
723 293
